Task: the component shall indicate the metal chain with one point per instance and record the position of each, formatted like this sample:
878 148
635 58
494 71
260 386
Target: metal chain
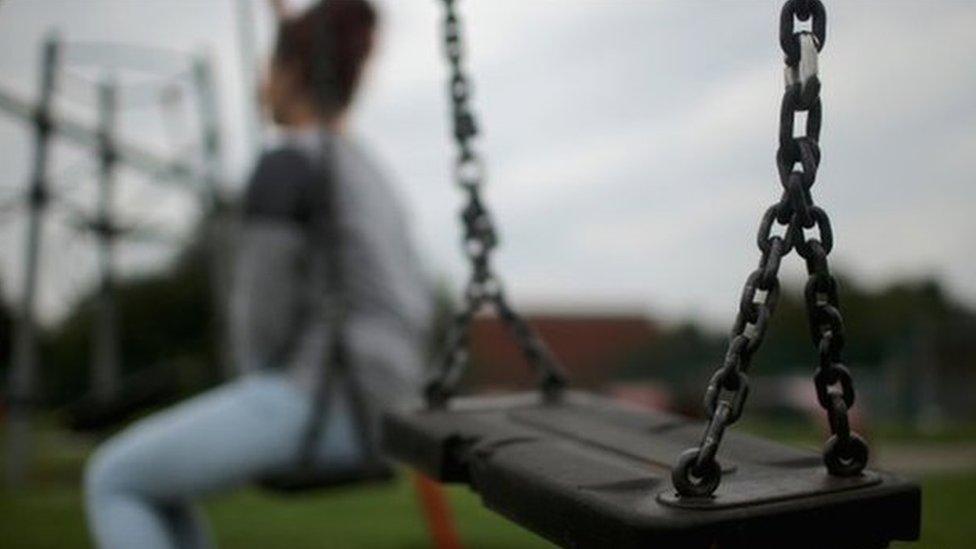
483 289
697 472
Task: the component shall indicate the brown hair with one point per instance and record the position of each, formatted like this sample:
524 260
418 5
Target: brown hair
327 46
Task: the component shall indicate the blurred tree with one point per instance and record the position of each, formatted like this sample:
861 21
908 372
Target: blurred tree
168 340
679 355
880 326
166 331
168 334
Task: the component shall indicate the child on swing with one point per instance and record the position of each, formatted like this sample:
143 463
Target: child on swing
141 486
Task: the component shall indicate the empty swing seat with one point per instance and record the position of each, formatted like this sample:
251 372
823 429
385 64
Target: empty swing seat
590 472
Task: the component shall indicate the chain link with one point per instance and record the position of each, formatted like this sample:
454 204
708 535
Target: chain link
480 238
697 472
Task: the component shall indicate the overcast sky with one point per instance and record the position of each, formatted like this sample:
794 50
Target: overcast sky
630 143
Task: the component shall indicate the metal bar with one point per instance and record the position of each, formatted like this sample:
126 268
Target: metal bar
23 373
104 372
216 218
246 40
109 55
166 171
210 127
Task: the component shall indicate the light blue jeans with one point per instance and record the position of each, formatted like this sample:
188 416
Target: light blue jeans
141 485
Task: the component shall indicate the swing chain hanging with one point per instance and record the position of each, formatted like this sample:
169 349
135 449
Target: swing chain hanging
697 472
479 240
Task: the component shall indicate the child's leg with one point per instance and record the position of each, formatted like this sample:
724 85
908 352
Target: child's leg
141 483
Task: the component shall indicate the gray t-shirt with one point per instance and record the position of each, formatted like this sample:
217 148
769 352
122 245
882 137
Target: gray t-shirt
282 307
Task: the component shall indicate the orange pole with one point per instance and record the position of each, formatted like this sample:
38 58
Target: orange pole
437 513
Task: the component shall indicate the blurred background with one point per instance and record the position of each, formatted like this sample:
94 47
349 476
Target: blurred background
630 155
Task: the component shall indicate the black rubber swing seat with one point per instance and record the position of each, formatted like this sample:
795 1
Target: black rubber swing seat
296 482
590 472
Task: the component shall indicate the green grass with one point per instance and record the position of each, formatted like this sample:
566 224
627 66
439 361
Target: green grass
388 517
948 511
374 517
50 514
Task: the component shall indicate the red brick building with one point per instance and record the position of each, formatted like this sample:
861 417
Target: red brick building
591 346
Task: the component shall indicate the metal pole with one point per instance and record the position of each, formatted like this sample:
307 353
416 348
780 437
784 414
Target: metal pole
105 352
23 372
215 209
246 40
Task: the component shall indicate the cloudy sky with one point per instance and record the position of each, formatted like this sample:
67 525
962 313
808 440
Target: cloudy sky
629 143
